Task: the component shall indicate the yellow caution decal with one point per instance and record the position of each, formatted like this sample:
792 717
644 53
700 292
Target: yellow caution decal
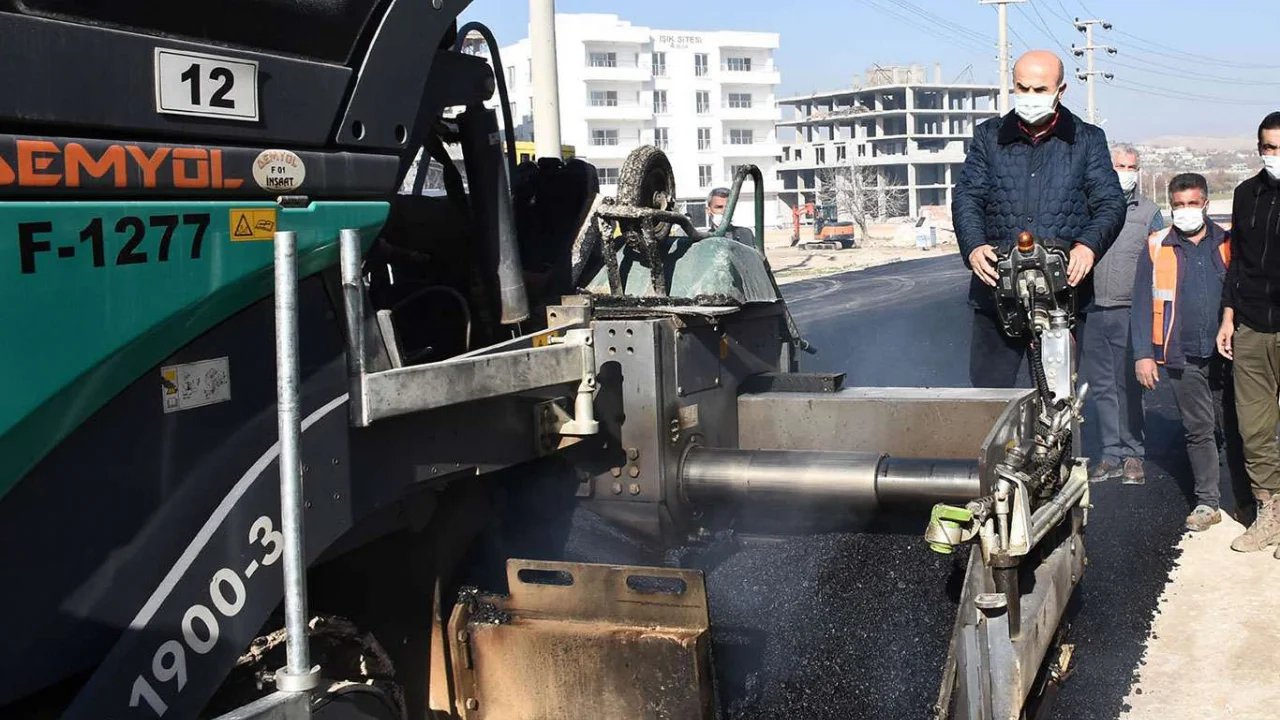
252 224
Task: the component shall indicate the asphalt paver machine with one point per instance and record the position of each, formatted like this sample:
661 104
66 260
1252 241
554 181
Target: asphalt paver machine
258 401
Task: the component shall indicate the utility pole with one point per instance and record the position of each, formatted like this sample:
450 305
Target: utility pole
1002 20
1086 27
546 80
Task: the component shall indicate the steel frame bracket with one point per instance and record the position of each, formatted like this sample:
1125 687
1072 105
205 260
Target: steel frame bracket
524 364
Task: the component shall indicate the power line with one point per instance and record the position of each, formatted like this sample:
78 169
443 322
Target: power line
1022 40
1194 75
1043 26
1064 15
1190 57
956 40
1182 95
942 23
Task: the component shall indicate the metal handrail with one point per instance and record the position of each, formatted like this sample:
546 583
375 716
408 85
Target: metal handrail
757 186
298 674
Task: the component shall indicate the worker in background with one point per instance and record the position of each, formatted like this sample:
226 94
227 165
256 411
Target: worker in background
1106 353
1039 169
1177 293
717 200
1250 332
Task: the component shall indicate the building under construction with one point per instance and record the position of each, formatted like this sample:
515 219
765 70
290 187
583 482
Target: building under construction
910 134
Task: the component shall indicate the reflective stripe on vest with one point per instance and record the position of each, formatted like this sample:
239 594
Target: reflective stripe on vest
1164 288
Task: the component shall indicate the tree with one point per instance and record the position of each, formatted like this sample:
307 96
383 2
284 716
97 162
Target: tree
859 193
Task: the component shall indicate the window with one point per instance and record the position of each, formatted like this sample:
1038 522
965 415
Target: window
604 59
528 71
738 64
659 64
704 138
741 137
700 64
604 137
704 176
862 151
703 101
733 171
660 138
842 153
739 100
820 155
659 102
604 98
608 176
511 75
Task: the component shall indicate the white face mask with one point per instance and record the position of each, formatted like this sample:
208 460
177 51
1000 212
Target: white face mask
1188 220
714 219
1128 180
1034 109
1272 164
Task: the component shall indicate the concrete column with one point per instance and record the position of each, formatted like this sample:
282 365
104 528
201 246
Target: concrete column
913 198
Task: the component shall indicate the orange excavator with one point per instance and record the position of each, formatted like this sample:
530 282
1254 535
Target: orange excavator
829 233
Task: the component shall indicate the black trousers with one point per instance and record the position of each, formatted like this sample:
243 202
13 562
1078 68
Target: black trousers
994 359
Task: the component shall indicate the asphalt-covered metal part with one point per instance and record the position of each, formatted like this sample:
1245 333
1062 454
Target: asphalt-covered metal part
623 641
823 478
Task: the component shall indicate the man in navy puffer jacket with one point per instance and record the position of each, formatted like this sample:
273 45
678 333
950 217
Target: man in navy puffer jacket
1042 169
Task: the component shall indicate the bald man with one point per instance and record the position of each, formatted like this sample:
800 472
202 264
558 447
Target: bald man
1038 168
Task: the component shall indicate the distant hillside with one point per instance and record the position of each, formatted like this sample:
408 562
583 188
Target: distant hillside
1208 144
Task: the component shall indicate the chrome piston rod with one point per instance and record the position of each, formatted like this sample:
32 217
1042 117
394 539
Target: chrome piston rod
847 479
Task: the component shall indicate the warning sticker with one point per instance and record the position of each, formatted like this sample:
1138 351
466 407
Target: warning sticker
250 224
194 385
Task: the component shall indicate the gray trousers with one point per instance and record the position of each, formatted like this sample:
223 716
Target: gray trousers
1198 389
1106 363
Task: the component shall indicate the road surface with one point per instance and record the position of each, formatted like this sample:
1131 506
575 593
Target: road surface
907 324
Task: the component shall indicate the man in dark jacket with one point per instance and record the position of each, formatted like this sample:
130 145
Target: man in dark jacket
1177 292
1041 169
1106 357
1250 332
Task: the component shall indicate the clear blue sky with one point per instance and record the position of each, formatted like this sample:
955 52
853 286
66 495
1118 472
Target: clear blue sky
1222 84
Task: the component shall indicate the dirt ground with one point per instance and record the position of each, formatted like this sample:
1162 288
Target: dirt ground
882 247
1214 648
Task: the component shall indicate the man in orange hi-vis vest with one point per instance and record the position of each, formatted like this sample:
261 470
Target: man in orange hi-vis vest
1177 306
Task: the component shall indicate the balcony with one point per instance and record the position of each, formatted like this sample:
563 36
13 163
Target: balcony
758 74
758 147
611 148
757 111
619 111
618 72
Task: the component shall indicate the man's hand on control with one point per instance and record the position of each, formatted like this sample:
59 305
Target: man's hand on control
982 260
1080 264
1148 373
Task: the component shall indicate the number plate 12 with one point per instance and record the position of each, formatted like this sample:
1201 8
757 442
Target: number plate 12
203 85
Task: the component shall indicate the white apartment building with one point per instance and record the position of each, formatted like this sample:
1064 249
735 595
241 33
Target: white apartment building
913 134
706 98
